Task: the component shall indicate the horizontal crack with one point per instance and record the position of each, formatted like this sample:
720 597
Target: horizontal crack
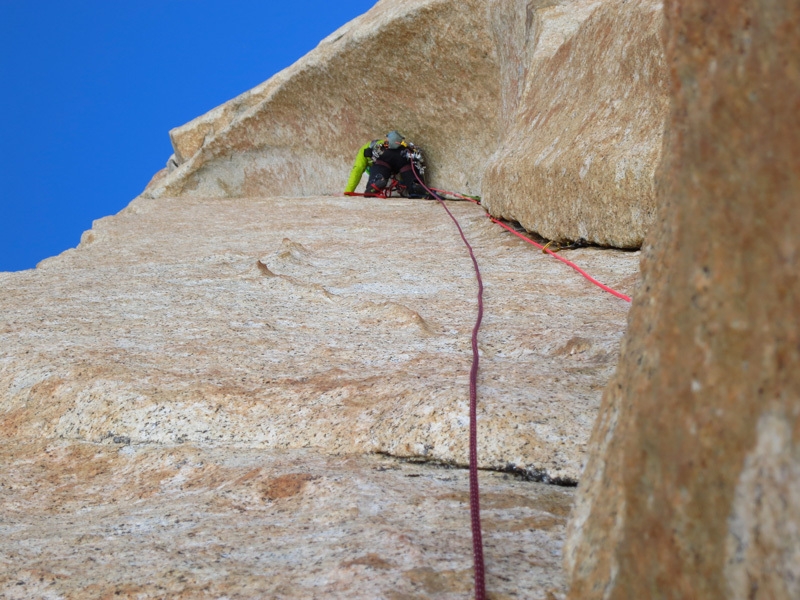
525 474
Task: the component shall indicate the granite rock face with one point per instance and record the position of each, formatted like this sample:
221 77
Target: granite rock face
554 110
329 323
196 402
425 67
130 521
693 485
218 393
584 122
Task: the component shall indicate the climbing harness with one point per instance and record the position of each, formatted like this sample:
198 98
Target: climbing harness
390 165
393 186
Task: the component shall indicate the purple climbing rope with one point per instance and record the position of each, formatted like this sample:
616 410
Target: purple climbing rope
474 493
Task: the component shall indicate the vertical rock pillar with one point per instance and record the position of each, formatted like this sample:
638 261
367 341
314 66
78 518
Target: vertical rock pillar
692 489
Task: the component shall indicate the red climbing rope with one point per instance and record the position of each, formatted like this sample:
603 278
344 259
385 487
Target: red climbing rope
474 494
542 248
378 193
456 195
562 259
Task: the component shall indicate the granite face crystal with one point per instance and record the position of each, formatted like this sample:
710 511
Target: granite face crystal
693 485
196 400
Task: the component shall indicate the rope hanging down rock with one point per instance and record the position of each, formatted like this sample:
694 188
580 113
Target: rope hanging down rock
474 494
544 248
562 259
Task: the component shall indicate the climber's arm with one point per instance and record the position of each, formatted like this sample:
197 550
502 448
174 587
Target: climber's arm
358 170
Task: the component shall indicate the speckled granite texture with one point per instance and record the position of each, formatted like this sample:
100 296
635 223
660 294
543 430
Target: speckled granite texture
554 110
208 357
329 323
693 487
586 105
83 520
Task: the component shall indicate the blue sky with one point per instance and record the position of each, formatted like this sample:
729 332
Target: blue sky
90 90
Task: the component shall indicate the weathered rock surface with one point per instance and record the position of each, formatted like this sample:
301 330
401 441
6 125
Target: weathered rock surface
162 382
426 67
563 100
199 401
585 99
337 324
693 487
89 521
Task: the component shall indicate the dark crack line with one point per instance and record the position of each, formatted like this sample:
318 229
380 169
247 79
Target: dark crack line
531 474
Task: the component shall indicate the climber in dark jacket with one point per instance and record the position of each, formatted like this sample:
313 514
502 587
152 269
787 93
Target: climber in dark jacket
384 159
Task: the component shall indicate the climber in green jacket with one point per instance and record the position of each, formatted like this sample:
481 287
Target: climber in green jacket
387 158
363 163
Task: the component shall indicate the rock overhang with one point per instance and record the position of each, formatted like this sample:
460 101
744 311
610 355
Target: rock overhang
553 111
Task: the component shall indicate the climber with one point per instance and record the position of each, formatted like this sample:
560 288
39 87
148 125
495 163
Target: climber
384 159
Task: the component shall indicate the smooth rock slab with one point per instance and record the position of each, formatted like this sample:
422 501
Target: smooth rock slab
338 324
80 520
192 401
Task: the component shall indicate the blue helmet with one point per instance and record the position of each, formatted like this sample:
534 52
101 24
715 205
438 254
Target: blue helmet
395 139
